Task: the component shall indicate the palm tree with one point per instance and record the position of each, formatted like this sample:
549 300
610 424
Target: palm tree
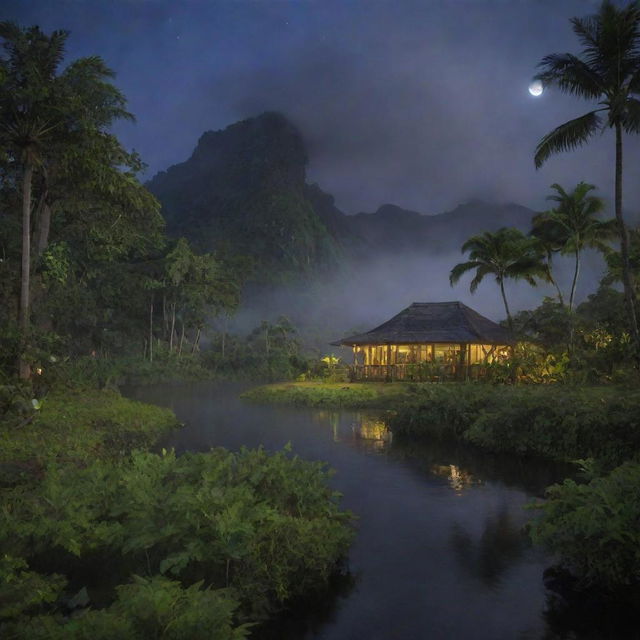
507 253
608 71
573 225
43 114
547 244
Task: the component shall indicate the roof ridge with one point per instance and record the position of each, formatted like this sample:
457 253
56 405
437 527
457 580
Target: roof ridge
469 322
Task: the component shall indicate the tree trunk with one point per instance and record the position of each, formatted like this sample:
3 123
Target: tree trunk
24 369
173 326
627 278
181 340
164 317
506 306
554 282
225 320
576 271
43 225
196 341
151 331
560 296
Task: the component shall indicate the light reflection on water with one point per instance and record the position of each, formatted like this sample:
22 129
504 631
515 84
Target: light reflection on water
440 552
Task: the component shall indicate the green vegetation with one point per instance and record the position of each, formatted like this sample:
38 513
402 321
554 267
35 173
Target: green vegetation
560 422
86 267
148 608
77 427
332 394
606 73
571 227
507 253
594 527
265 527
254 204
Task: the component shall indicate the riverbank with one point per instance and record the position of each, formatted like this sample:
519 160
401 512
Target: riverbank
79 426
351 395
87 508
551 421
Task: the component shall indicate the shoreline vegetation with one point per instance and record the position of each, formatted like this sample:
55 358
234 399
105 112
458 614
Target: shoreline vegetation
557 422
98 535
590 526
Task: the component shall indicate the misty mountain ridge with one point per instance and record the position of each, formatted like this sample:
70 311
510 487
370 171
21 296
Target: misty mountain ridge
244 191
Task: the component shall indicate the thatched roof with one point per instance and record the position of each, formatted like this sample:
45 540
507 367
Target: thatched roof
427 322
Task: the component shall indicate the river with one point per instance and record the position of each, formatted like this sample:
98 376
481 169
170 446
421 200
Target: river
439 552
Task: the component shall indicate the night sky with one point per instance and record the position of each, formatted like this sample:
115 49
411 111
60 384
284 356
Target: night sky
422 104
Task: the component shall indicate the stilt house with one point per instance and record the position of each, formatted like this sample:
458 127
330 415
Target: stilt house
429 341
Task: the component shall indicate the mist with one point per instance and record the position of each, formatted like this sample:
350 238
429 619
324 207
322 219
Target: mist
364 294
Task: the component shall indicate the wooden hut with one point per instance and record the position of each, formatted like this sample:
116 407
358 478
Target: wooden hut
429 341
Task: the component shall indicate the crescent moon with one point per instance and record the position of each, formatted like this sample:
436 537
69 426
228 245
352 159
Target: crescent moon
536 88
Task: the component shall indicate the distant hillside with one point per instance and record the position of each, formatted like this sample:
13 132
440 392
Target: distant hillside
392 228
244 191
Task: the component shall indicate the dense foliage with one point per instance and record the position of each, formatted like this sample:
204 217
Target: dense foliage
76 427
555 422
603 516
265 526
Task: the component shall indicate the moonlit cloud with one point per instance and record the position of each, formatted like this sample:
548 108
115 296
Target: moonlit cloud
416 103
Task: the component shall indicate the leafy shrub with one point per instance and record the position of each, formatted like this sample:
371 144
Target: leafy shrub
594 527
557 422
441 410
84 424
265 525
22 589
148 608
560 423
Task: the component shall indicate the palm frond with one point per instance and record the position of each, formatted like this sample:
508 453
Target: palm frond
631 118
460 269
567 136
483 270
571 75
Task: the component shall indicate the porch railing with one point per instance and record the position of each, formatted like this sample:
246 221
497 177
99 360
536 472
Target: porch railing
422 372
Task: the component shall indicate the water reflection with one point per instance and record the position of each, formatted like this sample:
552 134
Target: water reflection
439 552
498 548
363 430
457 477
462 466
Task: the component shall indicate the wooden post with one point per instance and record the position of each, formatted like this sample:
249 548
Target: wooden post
389 371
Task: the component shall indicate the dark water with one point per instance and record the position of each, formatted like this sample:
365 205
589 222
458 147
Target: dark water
439 553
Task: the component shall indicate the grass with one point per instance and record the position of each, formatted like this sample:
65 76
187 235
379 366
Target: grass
559 422
361 395
77 427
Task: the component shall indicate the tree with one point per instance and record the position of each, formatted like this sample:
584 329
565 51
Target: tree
573 225
608 71
197 287
614 262
507 253
44 114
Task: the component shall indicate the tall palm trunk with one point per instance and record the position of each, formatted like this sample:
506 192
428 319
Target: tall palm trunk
552 280
24 369
576 272
627 278
506 306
